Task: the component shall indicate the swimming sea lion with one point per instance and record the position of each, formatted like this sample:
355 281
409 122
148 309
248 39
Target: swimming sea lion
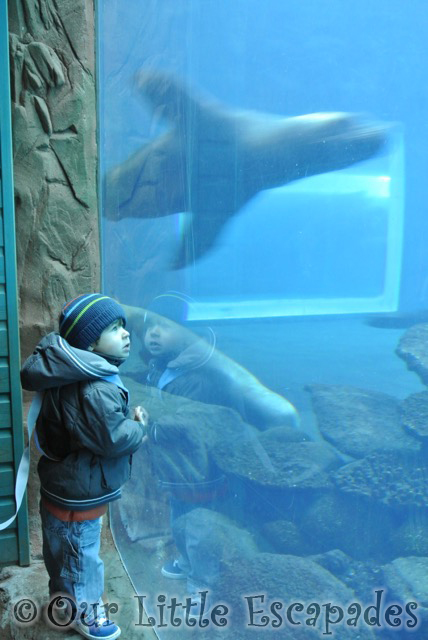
213 160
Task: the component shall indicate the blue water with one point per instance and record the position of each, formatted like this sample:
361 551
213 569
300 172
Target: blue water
290 285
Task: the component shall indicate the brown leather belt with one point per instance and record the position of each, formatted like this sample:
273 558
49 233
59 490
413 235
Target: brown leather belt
74 516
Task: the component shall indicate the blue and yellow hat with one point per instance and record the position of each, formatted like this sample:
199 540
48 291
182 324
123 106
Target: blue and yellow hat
84 318
173 305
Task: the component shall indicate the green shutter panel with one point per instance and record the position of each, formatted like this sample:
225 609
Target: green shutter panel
14 541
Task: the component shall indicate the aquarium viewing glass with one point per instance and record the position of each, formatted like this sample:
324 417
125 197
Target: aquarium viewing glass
263 189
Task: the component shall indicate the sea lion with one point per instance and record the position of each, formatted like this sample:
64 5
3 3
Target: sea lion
213 160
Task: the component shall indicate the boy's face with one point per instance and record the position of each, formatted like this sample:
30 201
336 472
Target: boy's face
163 337
114 341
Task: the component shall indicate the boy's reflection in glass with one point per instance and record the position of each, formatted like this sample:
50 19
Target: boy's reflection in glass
178 365
185 434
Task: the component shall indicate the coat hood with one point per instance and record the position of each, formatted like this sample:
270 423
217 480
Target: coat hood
55 363
196 354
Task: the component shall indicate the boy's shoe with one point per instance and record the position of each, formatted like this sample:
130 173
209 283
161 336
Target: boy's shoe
99 629
172 570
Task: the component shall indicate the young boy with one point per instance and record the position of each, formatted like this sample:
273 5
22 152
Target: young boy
87 440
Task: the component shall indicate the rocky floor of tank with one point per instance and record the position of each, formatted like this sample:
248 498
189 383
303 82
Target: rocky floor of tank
328 351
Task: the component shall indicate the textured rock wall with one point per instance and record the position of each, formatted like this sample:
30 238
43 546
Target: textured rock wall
54 131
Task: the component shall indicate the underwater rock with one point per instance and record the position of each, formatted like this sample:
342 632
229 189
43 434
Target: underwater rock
279 435
413 349
359 421
191 436
272 460
361 576
411 537
188 441
212 538
414 414
285 579
406 580
394 479
335 561
285 537
347 523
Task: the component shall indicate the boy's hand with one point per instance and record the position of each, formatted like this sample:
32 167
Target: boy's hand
141 415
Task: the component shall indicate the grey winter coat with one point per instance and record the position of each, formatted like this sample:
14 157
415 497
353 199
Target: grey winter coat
83 426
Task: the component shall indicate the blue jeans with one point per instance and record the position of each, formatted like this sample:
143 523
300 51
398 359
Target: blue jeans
71 555
196 557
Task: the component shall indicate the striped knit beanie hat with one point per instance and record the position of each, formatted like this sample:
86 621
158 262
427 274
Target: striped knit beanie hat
84 318
173 305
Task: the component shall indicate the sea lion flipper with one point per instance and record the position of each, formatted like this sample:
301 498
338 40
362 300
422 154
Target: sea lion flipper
199 234
166 94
